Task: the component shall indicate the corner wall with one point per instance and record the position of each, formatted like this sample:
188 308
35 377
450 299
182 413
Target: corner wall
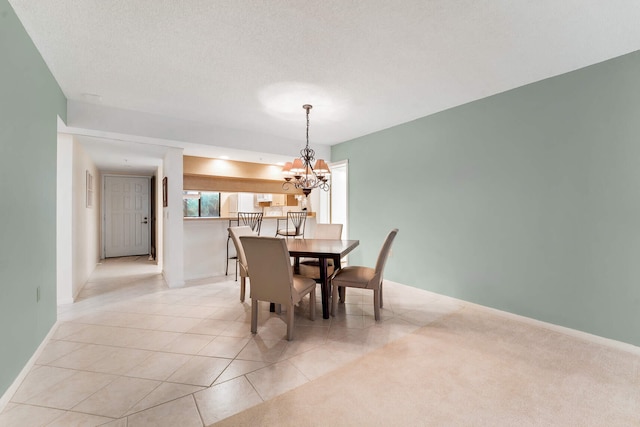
172 223
86 220
527 201
64 220
78 233
30 102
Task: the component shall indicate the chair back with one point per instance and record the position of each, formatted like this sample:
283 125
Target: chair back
384 252
298 220
235 233
251 219
328 231
270 264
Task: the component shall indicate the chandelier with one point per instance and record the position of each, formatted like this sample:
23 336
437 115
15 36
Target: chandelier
301 174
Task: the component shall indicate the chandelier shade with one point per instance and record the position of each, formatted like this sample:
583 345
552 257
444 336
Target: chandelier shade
301 174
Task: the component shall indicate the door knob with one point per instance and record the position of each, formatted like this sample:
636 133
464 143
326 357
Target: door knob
145 222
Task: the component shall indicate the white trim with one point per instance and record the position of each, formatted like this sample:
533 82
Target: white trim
6 397
103 214
66 301
595 339
346 227
64 218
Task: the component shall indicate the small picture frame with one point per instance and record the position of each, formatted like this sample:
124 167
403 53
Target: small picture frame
165 201
89 186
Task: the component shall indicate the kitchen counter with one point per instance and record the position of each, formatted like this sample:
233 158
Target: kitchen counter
227 218
206 240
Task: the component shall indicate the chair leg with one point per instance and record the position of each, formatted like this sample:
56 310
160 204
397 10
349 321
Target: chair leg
381 302
334 299
243 282
342 290
226 267
254 315
312 304
376 304
290 322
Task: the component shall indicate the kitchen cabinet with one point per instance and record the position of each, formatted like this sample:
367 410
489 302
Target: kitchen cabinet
279 200
242 202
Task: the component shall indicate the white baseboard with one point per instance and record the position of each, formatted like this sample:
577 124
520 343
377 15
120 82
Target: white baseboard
596 339
172 284
65 301
6 397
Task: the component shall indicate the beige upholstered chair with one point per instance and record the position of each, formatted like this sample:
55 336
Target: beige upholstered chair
235 233
364 277
328 231
310 267
294 225
272 278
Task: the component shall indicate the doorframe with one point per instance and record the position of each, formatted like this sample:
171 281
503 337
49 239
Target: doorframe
329 199
103 210
152 217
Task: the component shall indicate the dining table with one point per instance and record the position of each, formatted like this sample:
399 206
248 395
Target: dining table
323 250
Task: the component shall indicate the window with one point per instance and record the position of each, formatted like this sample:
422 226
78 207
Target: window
201 204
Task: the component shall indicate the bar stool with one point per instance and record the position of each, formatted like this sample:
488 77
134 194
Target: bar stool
250 219
298 220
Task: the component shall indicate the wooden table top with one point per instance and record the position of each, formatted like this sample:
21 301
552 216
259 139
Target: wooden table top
320 247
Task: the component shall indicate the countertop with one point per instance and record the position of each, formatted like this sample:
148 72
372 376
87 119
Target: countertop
227 218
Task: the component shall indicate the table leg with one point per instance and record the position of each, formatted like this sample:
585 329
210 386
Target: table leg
324 283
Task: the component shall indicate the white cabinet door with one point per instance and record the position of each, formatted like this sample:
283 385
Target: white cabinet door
246 202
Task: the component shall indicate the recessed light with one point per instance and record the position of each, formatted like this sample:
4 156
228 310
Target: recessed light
224 157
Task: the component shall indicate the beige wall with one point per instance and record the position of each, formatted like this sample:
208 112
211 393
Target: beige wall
78 225
86 220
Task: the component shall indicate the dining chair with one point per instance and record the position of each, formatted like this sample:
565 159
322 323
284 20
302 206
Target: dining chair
250 219
310 267
364 277
272 279
235 233
297 221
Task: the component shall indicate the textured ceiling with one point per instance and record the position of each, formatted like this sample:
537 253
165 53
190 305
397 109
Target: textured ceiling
365 65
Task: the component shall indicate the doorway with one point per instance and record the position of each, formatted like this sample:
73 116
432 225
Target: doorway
126 216
339 202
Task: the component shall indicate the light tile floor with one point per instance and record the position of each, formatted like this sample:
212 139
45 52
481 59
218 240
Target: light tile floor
132 352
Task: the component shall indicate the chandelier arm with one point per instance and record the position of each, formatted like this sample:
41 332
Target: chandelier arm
306 178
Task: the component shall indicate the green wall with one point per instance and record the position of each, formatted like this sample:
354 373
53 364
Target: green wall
527 201
30 101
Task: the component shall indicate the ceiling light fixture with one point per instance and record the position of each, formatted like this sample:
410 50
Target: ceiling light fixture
301 174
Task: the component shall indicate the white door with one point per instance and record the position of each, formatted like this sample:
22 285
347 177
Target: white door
126 216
